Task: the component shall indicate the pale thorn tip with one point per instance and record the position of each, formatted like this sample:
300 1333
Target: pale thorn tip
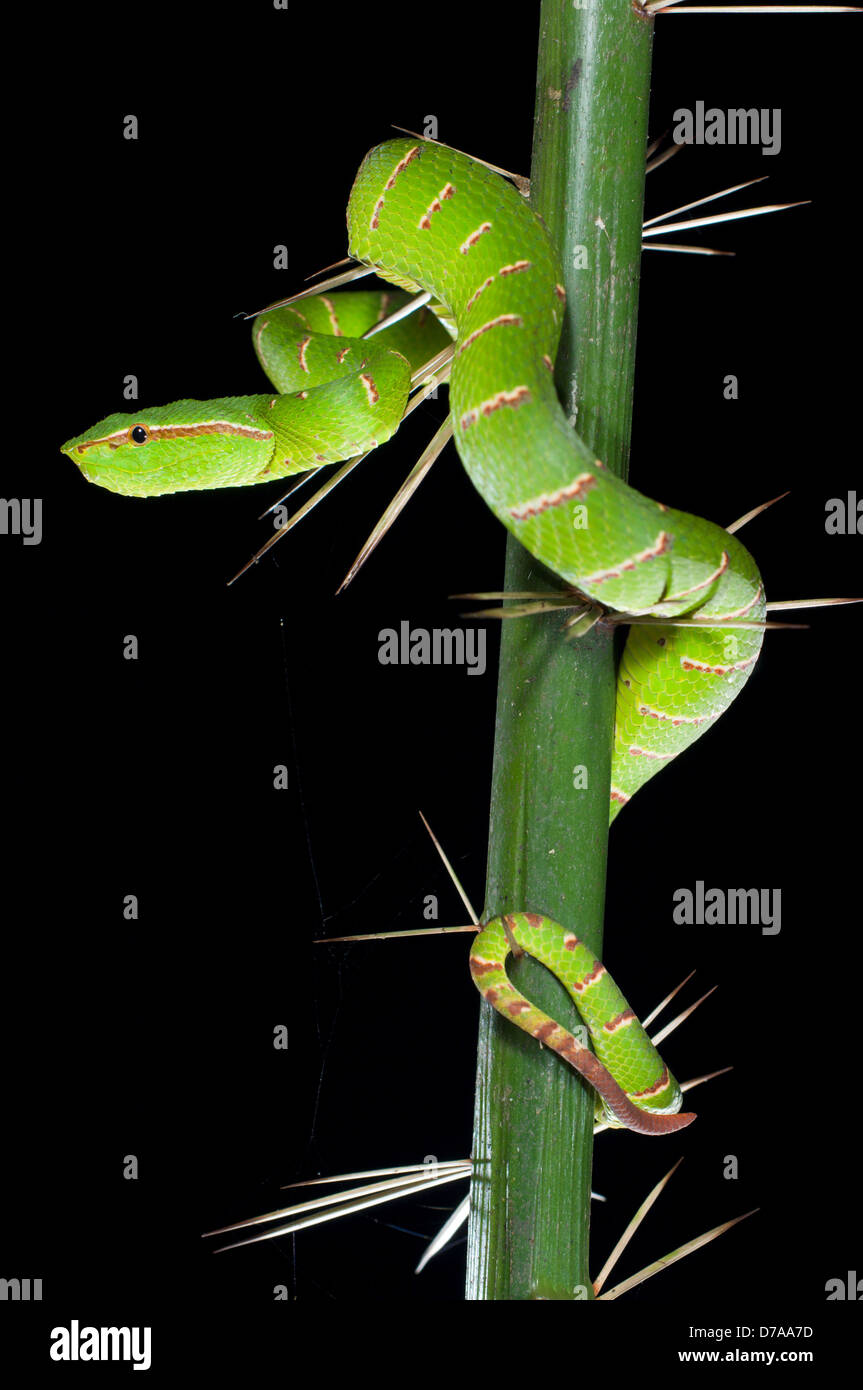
395 935
451 871
453 1223
346 260
401 499
673 1256
685 249
397 1171
521 181
717 217
706 1076
322 492
699 202
663 1003
632 1227
756 511
681 1018
665 6
779 604
339 1204
663 158
356 273
305 478
397 315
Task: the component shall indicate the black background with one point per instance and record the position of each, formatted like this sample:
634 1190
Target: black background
154 777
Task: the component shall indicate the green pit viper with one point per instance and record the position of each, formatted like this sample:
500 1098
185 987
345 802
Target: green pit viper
428 218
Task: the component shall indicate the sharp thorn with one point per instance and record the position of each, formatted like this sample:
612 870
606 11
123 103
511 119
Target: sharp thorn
398 314
780 604
453 1223
433 365
681 1018
333 481
643 620
517 610
392 935
664 7
306 477
400 501
680 1253
451 871
333 283
646 1022
394 1191
655 144
394 1172
536 603
331 1199
419 393
346 260
699 202
682 247
756 511
521 182
633 1226
663 158
698 1080
551 597
724 217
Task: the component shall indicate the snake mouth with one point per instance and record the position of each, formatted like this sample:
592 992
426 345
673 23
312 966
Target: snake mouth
78 450
72 449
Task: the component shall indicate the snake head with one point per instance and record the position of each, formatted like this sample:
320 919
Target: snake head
174 448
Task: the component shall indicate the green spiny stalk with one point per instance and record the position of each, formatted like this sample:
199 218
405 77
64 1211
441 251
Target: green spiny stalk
548 837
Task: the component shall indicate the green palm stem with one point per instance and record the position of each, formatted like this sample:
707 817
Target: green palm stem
533 1125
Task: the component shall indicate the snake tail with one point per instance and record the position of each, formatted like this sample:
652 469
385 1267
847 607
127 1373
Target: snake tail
635 1090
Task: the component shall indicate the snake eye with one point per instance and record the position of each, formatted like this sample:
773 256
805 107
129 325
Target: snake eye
138 434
